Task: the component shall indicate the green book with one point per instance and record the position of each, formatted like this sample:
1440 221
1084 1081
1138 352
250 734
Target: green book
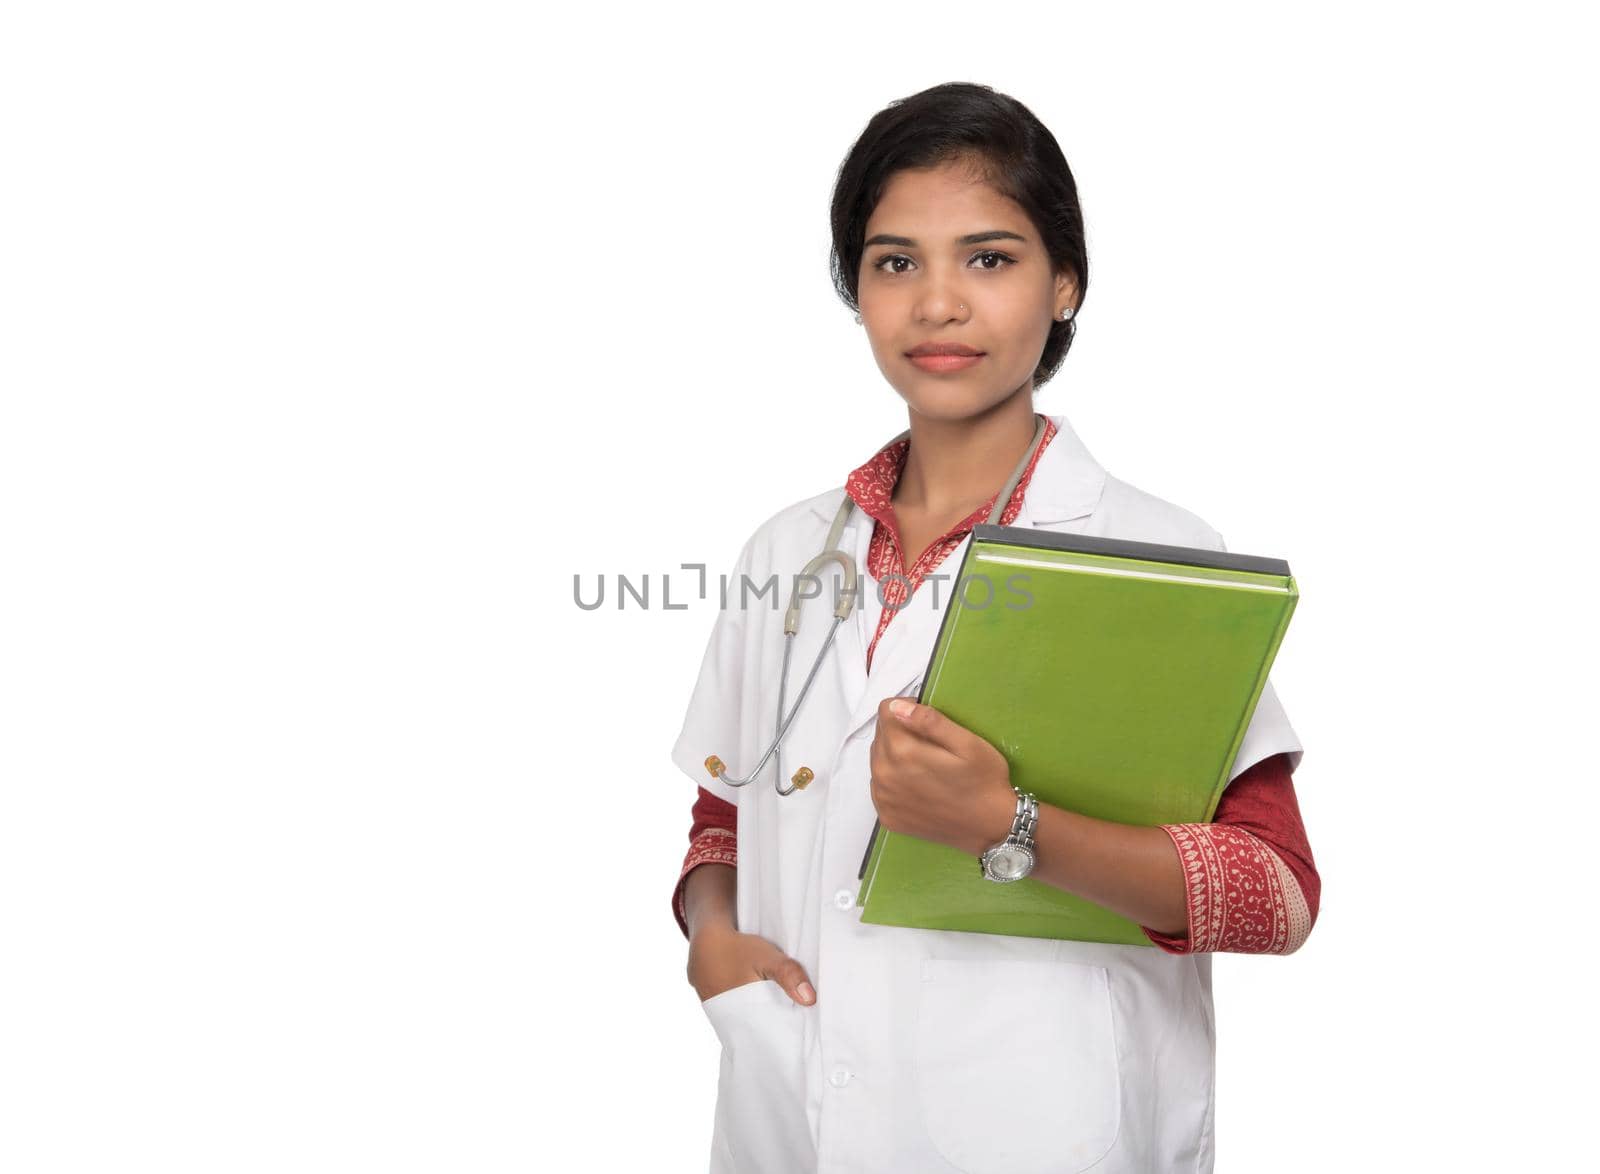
1118 679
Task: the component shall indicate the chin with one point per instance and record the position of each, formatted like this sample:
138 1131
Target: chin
950 401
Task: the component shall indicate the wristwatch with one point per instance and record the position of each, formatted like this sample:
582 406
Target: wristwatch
1012 858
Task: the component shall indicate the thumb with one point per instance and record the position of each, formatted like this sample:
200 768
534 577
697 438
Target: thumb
791 976
929 723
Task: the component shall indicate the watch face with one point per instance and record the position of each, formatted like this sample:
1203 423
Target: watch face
1009 862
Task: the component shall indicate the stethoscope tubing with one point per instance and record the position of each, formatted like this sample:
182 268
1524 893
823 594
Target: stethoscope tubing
783 728
791 624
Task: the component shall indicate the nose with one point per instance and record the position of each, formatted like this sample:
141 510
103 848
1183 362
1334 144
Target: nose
942 298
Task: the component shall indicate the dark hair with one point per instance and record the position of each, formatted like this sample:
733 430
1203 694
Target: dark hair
1006 144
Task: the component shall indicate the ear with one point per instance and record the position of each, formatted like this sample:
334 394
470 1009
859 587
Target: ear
1067 289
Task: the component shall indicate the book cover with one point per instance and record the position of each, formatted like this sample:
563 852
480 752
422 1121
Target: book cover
1118 678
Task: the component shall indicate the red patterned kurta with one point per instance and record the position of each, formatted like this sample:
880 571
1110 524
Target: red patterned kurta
1252 884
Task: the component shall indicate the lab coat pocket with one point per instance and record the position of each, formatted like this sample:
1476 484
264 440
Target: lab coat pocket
761 1120
1016 1067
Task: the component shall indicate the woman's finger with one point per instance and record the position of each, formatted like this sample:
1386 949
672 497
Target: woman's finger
791 976
930 725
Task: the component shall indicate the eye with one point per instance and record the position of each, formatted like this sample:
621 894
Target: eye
886 263
1004 257
882 262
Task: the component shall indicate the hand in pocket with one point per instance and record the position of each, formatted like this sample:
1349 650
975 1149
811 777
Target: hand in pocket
721 959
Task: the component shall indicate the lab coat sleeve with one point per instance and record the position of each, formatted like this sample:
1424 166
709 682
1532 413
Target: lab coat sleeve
718 718
716 723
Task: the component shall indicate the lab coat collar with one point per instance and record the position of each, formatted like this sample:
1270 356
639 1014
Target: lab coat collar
1067 483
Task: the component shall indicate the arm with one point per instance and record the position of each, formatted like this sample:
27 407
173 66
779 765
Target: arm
1252 885
705 903
935 779
1244 882
1130 870
713 839
709 899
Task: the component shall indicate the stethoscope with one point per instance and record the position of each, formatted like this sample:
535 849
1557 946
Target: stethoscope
791 622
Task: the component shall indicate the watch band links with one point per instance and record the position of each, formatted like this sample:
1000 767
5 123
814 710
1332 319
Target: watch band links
1022 824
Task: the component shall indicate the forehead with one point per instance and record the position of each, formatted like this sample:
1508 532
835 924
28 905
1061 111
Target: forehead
945 201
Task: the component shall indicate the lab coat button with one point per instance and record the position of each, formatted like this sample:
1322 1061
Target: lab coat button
844 899
839 1077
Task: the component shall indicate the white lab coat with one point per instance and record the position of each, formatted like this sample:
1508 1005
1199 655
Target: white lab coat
926 1050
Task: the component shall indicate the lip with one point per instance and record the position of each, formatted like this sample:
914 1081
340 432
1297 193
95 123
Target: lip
942 348
942 363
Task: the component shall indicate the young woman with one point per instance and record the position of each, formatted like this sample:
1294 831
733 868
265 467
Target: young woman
958 236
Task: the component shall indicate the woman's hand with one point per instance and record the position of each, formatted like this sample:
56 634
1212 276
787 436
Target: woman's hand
935 779
721 958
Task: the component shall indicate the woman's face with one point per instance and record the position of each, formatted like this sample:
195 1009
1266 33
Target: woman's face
925 279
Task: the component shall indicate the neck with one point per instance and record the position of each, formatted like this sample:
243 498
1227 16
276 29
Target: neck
954 466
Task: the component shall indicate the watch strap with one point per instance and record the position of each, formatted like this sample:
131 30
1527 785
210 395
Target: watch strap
1023 823
1026 819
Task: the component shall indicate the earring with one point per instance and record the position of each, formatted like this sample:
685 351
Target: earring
858 319
1066 315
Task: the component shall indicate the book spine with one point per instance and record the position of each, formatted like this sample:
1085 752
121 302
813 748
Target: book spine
930 675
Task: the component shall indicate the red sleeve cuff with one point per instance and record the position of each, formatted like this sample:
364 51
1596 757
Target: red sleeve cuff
1250 882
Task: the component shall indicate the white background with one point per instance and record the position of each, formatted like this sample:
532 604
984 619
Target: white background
338 338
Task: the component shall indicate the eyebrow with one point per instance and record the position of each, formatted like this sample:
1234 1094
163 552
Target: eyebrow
884 238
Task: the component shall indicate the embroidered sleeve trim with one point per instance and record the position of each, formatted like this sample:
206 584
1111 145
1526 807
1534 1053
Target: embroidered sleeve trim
713 845
1242 897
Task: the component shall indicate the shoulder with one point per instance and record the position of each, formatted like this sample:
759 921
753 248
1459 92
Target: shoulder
1132 513
799 524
